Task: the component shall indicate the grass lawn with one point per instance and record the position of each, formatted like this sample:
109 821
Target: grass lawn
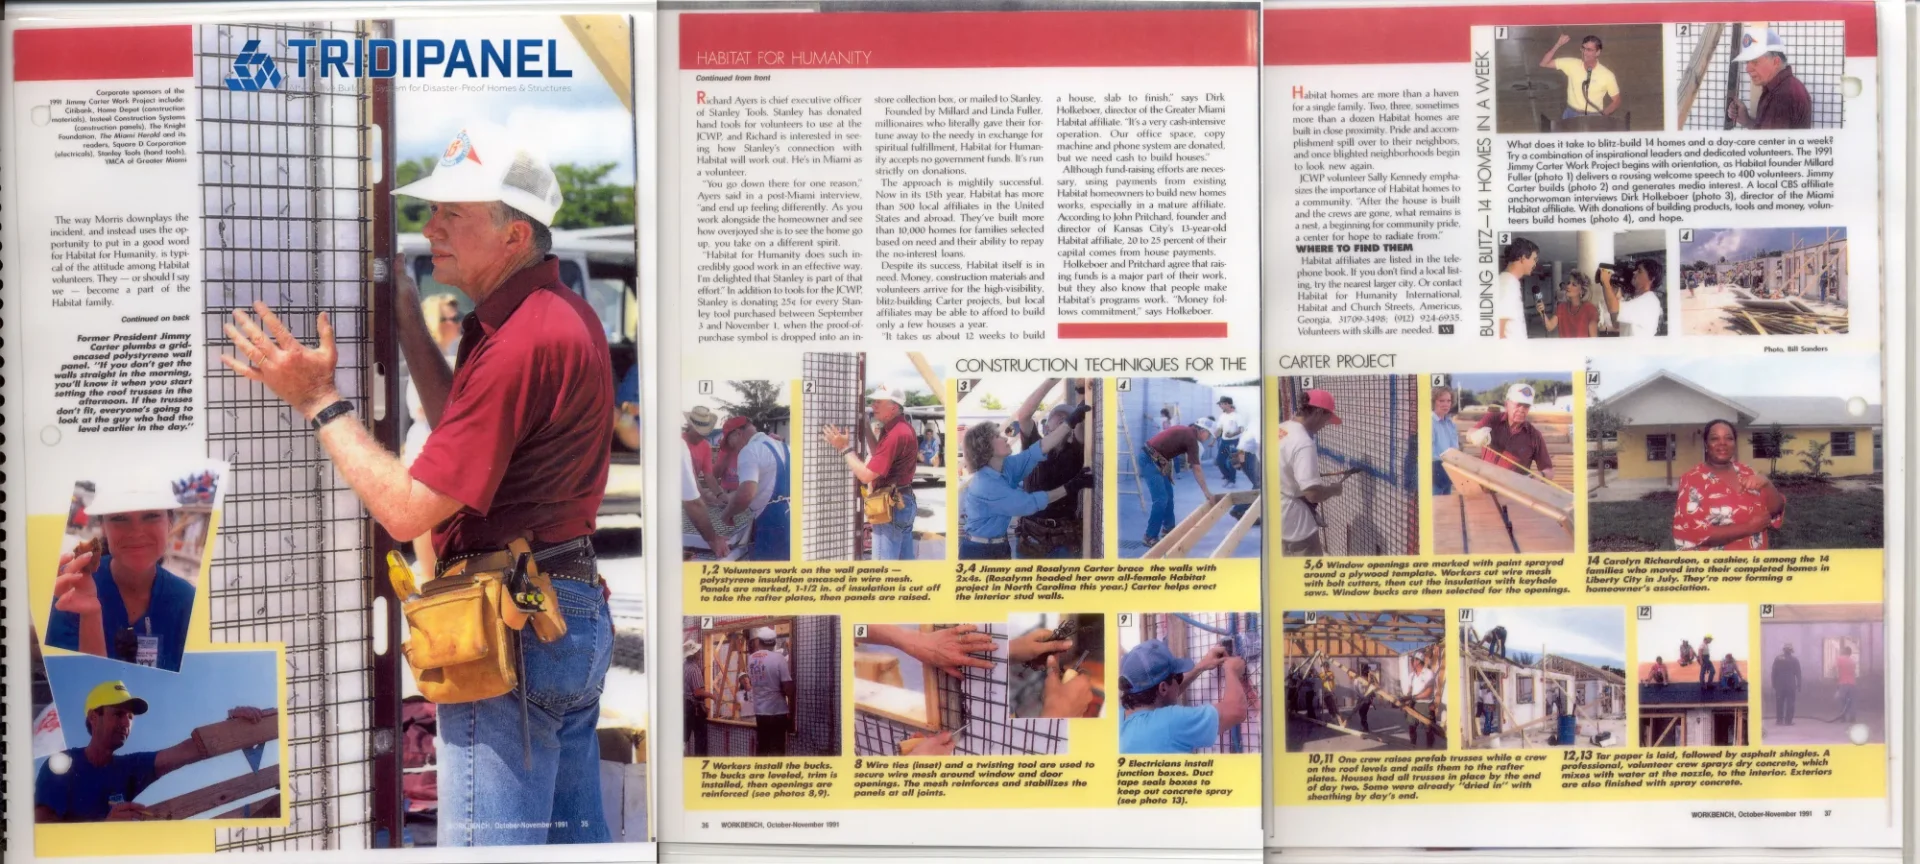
1818 517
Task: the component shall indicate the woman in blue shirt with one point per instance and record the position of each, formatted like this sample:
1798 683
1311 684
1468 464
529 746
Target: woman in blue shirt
118 602
1446 436
994 498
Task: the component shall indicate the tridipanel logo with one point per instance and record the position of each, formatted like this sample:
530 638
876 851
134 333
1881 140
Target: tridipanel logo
253 69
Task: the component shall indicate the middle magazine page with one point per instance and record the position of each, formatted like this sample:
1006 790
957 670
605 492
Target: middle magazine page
960 334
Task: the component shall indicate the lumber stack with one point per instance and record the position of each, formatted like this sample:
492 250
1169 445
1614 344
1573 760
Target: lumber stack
1516 490
1555 426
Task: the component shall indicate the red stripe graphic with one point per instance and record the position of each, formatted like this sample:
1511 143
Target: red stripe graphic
1146 330
968 40
103 53
1382 35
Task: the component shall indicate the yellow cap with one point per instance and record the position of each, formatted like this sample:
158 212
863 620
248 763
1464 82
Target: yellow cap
114 693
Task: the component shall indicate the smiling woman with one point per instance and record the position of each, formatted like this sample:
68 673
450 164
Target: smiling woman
114 596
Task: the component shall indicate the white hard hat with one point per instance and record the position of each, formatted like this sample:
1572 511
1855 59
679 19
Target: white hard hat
765 634
1521 393
689 648
884 393
128 495
1758 42
484 162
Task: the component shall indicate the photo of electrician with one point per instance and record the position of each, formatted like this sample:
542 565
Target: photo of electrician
1598 78
1168 506
135 544
1029 487
1186 683
736 472
150 745
1580 284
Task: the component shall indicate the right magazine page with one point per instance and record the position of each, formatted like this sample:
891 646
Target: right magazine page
1585 421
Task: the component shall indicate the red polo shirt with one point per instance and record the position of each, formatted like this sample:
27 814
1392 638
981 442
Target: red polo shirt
526 434
895 455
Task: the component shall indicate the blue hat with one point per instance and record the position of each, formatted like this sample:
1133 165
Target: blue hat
1150 663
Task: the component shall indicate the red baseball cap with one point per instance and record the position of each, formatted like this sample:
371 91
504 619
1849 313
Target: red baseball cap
1323 399
733 423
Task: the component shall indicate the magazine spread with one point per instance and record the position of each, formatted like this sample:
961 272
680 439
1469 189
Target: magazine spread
1588 389
1373 429
958 358
239 246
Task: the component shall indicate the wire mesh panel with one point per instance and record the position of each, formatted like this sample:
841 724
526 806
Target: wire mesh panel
816 685
284 211
1815 49
1206 630
974 708
830 395
1378 511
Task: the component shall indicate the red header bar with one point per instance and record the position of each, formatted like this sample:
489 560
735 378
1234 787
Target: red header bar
102 53
1146 330
968 40
1383 35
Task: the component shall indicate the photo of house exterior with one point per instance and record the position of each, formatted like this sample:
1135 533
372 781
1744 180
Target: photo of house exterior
1663 417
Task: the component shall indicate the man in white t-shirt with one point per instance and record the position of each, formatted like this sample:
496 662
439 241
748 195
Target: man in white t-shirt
1301 489
1227 429
770 679
1640 316
696 507
1517 261
1423 690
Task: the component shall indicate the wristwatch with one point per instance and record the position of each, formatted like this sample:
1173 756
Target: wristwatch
844 451
329 413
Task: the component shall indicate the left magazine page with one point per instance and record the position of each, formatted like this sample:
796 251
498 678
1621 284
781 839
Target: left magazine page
323 434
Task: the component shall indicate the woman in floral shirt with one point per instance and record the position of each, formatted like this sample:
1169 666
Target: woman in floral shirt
1724 504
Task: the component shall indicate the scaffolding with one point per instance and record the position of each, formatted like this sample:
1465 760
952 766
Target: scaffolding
288 181
1378 511
831 516
975 708
1815 49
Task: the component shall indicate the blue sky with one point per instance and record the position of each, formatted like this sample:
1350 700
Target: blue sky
584 123
1594 635
1485 380
1739 244
208 683
1842 375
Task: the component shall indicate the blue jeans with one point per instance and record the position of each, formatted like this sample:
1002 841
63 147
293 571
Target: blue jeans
1160 489
773 533
971 551
488 796
1442 481
1224 461
1707 671
894 540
